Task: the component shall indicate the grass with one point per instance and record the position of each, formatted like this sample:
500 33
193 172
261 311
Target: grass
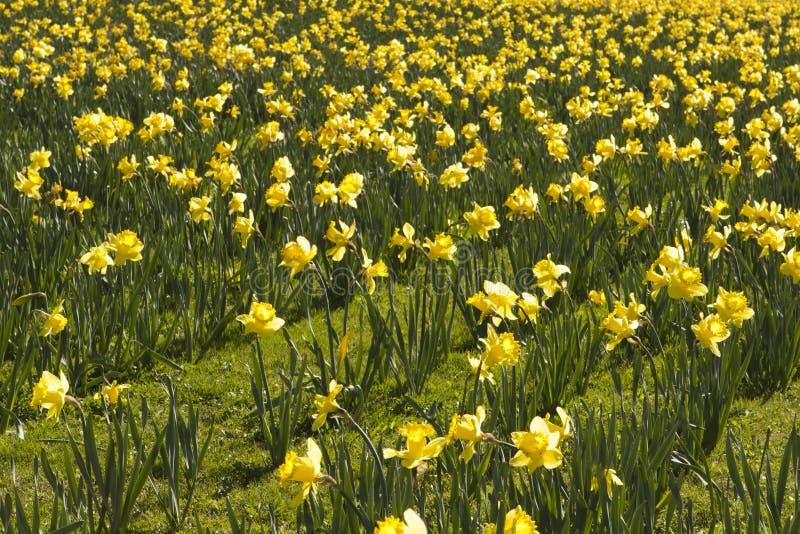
240 469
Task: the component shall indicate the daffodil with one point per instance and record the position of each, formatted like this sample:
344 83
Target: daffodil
340 238
404 240
54 322
262 319
410 524
418 448
517 521
731 306
297 254
441 248
547 273
126 246
304 469
350 188
611 480
372 271
277 195
50 393
111 392
282 169
244 227
537 447
686 283
199 208
791 265
467 428
522 203
326 404
480 221
98 259
710 331
640 217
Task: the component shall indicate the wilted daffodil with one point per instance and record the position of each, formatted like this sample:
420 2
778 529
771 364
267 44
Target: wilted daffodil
50 393
304 469
261 320
410 524
418 448
111 392
326 404
126 246
517 521
537 447
54 322
467 427
297 254
547 274
711 330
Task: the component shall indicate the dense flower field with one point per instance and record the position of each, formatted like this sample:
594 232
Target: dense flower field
420 235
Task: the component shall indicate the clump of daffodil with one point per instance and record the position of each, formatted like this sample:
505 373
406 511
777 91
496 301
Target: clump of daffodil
297 254
50 393
547 274
326 404
418 448
262 319
622 322
467 428
410 524
517 521
306 470
671 271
